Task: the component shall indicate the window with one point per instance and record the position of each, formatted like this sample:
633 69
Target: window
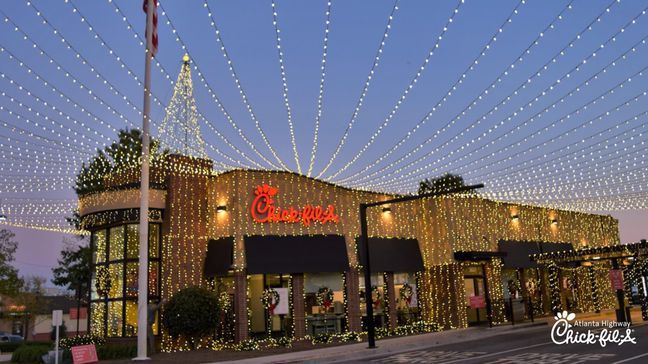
113 295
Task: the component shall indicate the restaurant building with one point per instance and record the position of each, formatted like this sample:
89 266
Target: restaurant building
454 261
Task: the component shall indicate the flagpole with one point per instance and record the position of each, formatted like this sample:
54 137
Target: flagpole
142 278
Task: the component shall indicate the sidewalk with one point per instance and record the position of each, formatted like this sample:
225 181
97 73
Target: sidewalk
390 346
417 342
5 357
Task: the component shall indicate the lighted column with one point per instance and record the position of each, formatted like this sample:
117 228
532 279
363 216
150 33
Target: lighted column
299 316
353 300
393 300
240 306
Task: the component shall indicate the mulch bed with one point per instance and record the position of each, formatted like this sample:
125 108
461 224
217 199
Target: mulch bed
206 356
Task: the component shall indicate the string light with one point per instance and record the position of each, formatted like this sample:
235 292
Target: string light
365 88
167 75
284 84
517 111
320 95
220 105
426 169
455 86
407 90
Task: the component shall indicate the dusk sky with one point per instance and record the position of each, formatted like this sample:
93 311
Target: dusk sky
543 102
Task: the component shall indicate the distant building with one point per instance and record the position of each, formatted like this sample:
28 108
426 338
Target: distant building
37 326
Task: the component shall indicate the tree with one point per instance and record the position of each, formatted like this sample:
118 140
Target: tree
10 283
32 298
125 153
442 184
73 270
191 314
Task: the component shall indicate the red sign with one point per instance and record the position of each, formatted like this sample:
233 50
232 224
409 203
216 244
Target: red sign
477 302
616 277
263 210
78 315
84 354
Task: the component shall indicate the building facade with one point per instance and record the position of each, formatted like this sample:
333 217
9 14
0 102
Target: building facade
281 251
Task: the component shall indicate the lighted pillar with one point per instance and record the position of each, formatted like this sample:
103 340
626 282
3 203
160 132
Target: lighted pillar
298 314
595 298
353 300
392 303
554 287
240 306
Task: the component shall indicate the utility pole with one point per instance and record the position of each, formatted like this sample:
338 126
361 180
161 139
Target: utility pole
364 241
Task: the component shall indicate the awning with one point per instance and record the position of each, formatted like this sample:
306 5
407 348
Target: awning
392 255
296 254
596 253
220 255
518 252
476 256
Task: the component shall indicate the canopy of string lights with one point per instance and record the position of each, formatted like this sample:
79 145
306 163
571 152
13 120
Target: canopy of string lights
540 101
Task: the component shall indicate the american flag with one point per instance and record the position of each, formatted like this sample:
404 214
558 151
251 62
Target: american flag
153 47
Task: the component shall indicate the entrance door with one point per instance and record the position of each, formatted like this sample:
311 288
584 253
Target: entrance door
474 286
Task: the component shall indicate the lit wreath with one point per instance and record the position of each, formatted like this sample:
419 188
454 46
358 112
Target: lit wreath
270 299
103 282
324 297
406 293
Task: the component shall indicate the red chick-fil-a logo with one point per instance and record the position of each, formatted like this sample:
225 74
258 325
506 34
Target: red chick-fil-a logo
263 210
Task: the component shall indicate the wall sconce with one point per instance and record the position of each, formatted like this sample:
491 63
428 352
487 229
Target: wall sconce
515 217
221 209
386 210
554 222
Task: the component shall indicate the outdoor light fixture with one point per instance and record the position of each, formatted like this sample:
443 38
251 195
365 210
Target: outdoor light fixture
386 210
3 217
515 217
221 209
554 222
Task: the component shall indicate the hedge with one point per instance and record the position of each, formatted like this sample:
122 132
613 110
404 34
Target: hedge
30 353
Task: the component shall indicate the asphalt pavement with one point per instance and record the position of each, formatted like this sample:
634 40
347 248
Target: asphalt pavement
531 346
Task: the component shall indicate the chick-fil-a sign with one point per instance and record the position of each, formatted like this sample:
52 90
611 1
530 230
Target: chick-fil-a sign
263 210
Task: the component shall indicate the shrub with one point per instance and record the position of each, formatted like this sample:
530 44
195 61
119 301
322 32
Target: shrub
81 340
30 353
284 341
10 347
323 338
248 345
116 351
191 314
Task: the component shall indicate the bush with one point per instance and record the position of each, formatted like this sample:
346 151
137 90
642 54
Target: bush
323 338
81 340
192 313
285 342
10 347
116 351
30 353
248 345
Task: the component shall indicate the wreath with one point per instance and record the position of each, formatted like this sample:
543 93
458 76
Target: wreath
513 286
531 285
103 282
270 299
406 293
325 297
378 300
